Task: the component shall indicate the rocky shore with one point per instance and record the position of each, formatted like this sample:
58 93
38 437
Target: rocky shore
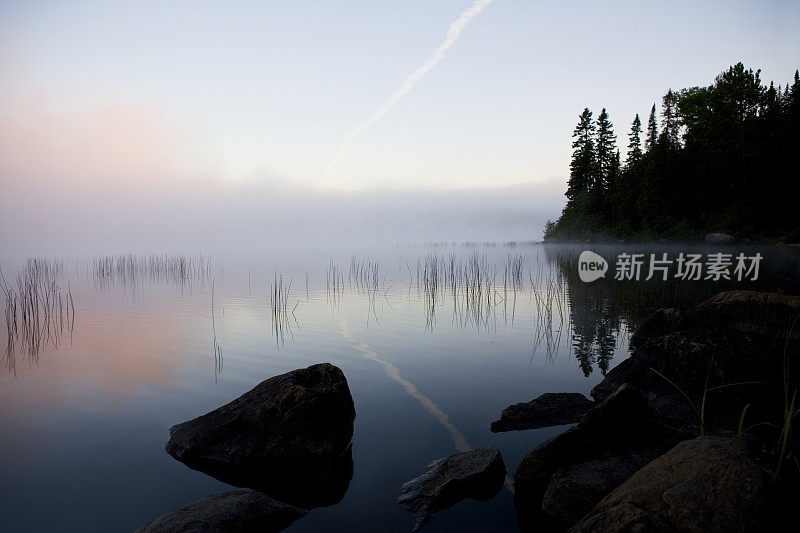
691 433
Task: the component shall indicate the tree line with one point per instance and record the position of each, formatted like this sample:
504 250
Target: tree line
721 158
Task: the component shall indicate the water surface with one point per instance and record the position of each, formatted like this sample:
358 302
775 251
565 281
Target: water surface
434 340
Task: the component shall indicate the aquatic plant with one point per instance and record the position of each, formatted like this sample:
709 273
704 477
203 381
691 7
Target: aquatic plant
37 310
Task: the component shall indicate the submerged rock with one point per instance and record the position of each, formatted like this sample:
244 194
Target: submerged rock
229 511
720 238
704 484
477 474
288 437
549 409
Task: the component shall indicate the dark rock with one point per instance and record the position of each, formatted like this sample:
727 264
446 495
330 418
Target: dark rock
549 409
289 437
704 484
720 238
477 474
575 489
622 421
662 322
696 360
764 313
227 512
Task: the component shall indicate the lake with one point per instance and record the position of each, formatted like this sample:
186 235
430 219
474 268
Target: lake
103 354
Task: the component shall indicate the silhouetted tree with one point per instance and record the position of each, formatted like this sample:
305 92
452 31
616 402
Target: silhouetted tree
652 130
724 161
670 125
606 147
634 142
583 168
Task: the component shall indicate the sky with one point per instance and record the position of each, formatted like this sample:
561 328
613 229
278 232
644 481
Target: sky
157 120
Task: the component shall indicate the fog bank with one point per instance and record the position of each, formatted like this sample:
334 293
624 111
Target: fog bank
64 218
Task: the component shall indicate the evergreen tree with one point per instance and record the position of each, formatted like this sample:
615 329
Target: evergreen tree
582 174
652 130
606 145
670 133
724 161
614 172
772 102
793 97
634 142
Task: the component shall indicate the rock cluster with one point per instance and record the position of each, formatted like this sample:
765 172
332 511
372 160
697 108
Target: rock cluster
632 463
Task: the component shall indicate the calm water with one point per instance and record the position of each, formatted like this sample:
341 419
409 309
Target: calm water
435 341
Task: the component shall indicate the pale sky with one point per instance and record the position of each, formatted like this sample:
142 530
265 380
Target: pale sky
262 94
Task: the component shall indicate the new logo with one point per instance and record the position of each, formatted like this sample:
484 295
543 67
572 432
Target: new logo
591 266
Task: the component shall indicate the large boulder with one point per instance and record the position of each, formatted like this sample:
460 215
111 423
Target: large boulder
622 422
227 512
704 484
720 238
662 322
575 489
769 314
477 474
289 437
694 363
549 409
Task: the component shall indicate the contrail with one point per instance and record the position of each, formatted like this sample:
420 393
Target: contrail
452 35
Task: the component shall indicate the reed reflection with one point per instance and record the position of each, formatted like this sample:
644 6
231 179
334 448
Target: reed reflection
38 311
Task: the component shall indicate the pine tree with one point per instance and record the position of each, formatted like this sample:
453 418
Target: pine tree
670 134
652 130
614 172
606 145
583 166
793 95
635 142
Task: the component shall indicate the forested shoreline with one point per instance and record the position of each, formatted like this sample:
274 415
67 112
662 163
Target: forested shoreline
721 158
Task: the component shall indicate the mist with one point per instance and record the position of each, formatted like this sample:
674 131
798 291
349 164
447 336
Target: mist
70 218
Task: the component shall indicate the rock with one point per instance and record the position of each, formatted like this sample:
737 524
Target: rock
720 238
622 421
549 409
696 360
477 474
289 437
764 313
229 511
704 484
662 322
575 489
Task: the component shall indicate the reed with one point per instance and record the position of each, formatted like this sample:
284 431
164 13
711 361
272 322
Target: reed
37 310
279 303
131 271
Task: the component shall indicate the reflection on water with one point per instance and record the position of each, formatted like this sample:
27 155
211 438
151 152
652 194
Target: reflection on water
217 348
131 272
279 303
461 284
435 342
37 310
459 441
